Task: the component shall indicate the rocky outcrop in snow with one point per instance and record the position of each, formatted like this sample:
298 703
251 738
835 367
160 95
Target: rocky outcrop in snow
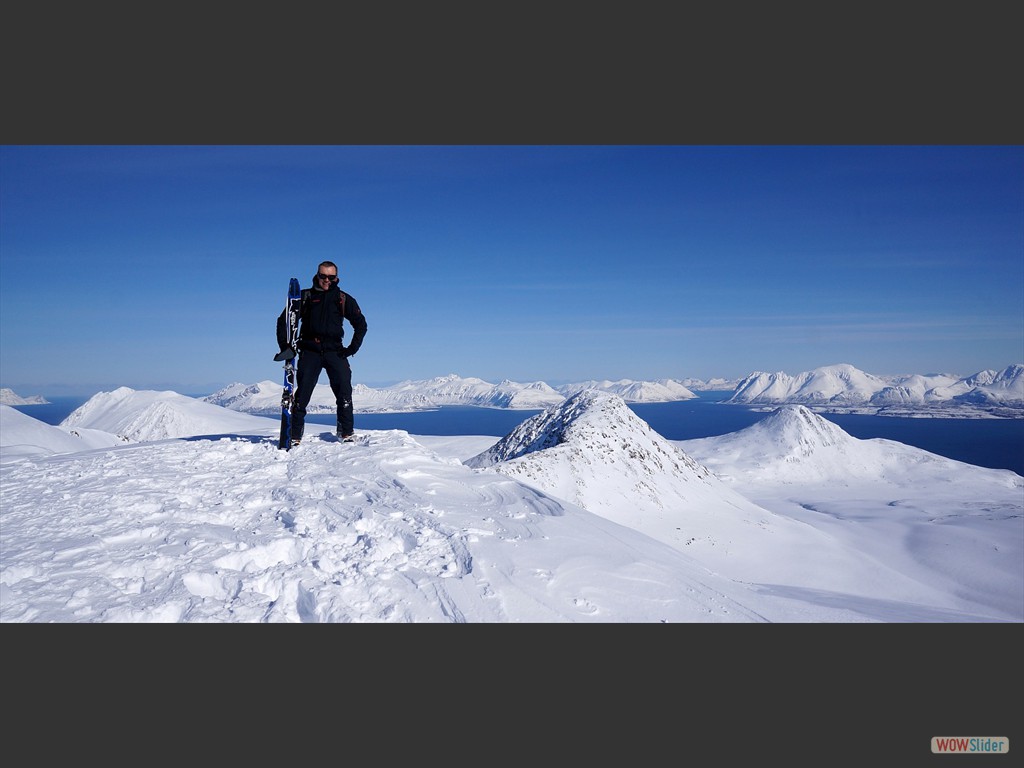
595 423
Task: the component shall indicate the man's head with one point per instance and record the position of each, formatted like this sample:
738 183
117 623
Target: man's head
326 274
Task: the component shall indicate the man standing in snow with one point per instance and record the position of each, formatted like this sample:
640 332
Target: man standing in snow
322 313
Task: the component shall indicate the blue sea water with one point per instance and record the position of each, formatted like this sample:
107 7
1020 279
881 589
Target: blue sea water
995 443
53 412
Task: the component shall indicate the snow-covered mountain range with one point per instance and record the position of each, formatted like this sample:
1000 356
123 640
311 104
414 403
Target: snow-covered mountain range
844 387
265 397
580 513
832 388
9 397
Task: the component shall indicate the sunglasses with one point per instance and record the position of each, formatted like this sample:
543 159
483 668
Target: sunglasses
332 278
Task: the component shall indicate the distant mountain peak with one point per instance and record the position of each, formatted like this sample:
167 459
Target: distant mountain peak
800 429
10 397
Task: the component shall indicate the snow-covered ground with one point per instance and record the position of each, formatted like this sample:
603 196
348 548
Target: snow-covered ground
583 514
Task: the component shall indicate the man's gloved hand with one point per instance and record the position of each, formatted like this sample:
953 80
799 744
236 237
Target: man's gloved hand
284 355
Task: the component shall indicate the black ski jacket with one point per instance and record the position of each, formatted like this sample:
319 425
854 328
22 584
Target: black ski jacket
321 326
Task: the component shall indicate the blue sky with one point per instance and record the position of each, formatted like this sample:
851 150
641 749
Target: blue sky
165 267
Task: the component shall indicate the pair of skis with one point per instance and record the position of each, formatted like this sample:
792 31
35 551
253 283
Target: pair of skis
291 316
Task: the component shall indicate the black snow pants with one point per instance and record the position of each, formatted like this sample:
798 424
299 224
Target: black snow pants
339 373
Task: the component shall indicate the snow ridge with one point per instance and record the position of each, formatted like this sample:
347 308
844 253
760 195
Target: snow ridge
24 436
147 415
